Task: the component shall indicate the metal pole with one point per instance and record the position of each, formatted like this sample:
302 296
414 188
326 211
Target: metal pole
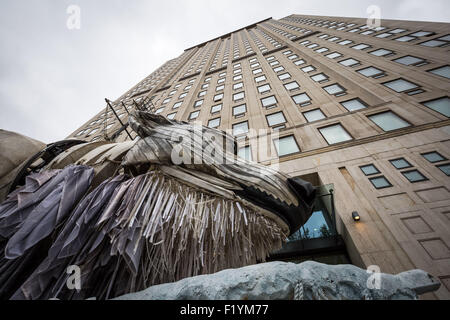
125 107
333 212
114 111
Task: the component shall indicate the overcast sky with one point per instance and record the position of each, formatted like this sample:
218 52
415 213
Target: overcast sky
53 79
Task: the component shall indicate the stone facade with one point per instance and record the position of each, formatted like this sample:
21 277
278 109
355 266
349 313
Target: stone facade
389 80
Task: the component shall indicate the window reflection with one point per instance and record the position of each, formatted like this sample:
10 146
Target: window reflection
320 224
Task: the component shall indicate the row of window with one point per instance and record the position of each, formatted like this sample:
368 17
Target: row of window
406 169
333 134
407 60
441 41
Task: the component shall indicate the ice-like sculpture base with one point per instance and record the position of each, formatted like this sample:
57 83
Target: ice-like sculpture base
289 281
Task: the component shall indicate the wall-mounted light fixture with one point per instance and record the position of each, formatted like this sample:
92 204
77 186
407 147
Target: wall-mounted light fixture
356 216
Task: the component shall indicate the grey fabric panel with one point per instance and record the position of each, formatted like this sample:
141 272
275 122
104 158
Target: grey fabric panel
31 214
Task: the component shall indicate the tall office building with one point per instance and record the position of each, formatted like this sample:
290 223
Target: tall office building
361 111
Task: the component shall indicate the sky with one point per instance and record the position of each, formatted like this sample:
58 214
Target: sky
53 78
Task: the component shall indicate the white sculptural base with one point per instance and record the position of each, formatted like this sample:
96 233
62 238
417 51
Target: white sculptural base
289 281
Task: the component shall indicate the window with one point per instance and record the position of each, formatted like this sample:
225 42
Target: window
238 77
354 104
302 99
205 86
269 102
238 85
240 128
270 58
263 89
345 42
398 30
369 170
254 65
422 34
400 85
158 111
287 52
201 94
334 55
245 153
292 57
182 95
381 52
314 115
442 71
216 108
371 72
214 123
236 65
238 110
384 35
208 79
400 163
166 101
223 74
434 43
410 60
256 71
275 119
322 50
278 69
299 62
198 103
222 80
441 105
361 46
194 115
291 85
405 39
286 145
219 88
177 105
434 157
237 71
335 134
308 69
414 176
187 88
380 182
334 89
274 63
238 96
284 76
171 116
388 121
445 168
334 39
218 97
321 77
349 62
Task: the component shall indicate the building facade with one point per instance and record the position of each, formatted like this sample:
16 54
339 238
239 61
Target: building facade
364 111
